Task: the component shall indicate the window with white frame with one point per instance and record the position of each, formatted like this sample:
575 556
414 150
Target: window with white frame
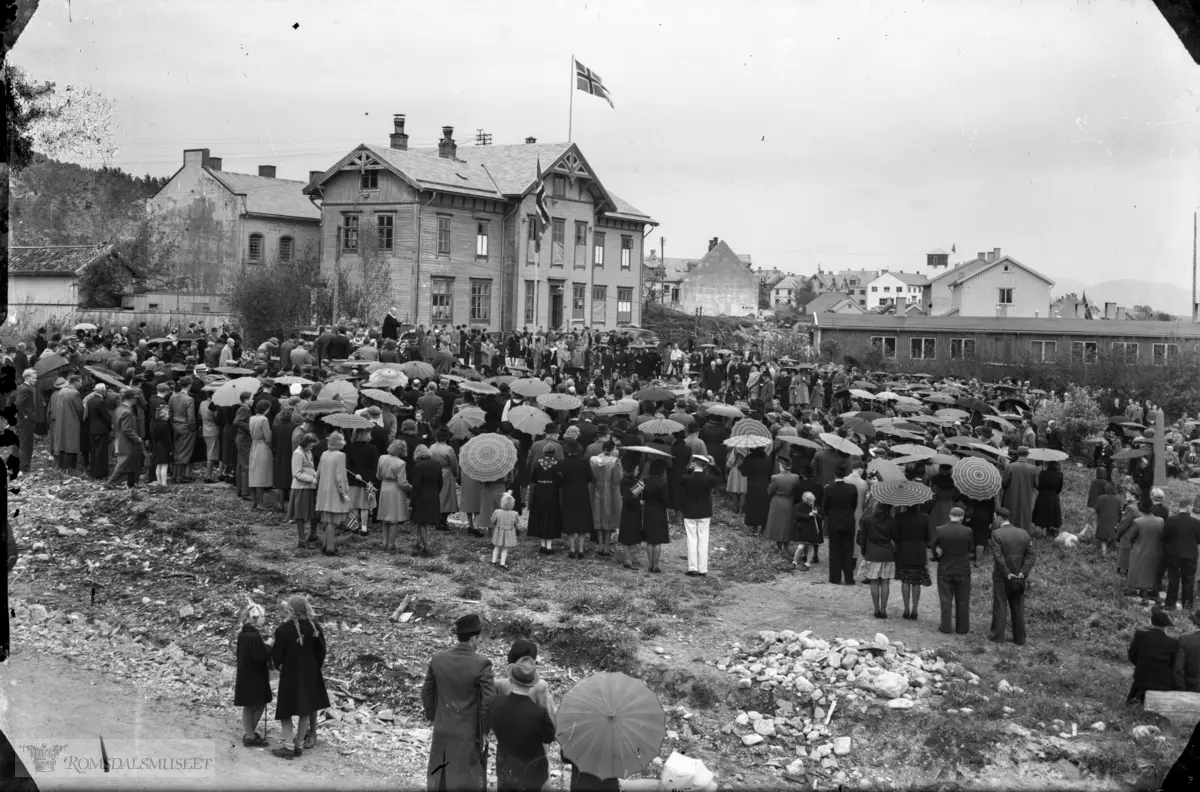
481 238
560 186
386 225
287 247
598 249
1084 351
441 301
599 304
1125 351
624 305
885 344
349 232
578 299
530 301
254 251
481 301
1006 296
1165 353
923 348
443 238
531 237
626 252
1043 351
962 348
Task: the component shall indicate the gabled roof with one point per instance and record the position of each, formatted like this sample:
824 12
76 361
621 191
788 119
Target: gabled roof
67 261
422 172
265 196
722 255
676 268
788 282
910 278
828 301
959 275
512 168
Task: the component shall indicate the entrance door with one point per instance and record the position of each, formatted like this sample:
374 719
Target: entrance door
556 307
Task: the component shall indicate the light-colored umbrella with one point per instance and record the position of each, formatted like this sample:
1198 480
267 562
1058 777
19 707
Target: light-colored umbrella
466 419
859 393
840 444
661 426
645 450
803 442
951 414
235 370
724 410
386 379
749 441
749 426
559 401
976 478
528 419
322 407
1047 455
293 380
888 470
340 390
482 388
487 457
229 394
348 421
910 449
381 396
84 326
529 388
417 369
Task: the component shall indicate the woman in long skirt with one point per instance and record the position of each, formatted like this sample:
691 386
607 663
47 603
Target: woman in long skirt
545 507
606 495
302 505
1108 514
299 653
333 492
756 469
426 480
362 460
735 479
655 500
1047 510
445 456
393 493
281 436
576 498
243 442
780 523
630 534
261 475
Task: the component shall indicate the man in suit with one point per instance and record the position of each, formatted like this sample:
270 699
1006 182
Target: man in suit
1054 436
431 405
391 325
824 465
839 504
458 689
1153 654
952 544
1020 486
1181 548
1013 556
129 442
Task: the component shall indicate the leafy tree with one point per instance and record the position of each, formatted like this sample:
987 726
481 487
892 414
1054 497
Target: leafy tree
1145 313
1077 413
274 300
52 122
376 274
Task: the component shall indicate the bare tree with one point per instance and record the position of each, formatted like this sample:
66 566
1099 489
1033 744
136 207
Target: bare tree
375 272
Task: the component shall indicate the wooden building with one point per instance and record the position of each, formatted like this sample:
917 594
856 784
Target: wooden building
989 285
43 282
913 341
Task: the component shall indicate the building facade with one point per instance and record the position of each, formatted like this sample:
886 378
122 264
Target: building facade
43 282
221 222
894 288
990 285
458 229
720 284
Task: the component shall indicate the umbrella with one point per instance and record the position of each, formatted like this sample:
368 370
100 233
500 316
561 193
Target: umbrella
559 401
1047 455
749 426
612 409
105 376
887 396
941 398
293 380
909 449
942 459
724 410
378 365
959 440
353 363
866 415
481 388
503 379
653 395
467 373
100 355
1131 425
952 415
47 364
724 351
840 444
488 457
905 460
887 470
661 426
901 493
628 404
381 396
1001 422
320 407
529 388
860 426
84 326
1132 453
893 431
160 340
976 479
387 379
859 393
417 369
229 393
707 346
908 401
466 419
518 367
238 370
528 419
926 419
803 442
340 390
348 421
749 441
682 418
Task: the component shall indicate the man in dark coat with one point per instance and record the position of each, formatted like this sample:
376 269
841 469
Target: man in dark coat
391 326
1153 655
713 435
458 690
25 401
824 465
1020 486
839 504
952 544
1013 557
1180 540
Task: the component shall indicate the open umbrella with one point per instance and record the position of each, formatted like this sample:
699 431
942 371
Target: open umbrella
529 388
378 365
909 449
482 388
559 401
1132 453
661 426
906 460
901 493
887 396
646 450
387 379
749 441
340 390
976 479
229 394
888 470
612 409
866 415
290 379
47 364
749 426
960 440
654 394
803 442
467 373
941 398
381 396
348 421
417 369
908 401
1047 455
466 419
487 457
1001 422
322 407
517 367
840 444
105 376
926 419
100 356
942 459
235 370
503 379
724 410
528 419
860 426
952 415
859 393
84 326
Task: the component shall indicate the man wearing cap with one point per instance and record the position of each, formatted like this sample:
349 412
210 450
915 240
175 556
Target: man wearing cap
1013 557
952 548
65 415
458 691
1020 485
697 486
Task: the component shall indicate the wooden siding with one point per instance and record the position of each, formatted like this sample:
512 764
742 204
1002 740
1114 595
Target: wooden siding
978 296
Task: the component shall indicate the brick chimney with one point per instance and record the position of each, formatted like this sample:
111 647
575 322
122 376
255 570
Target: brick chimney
989 257
214 163
981 255
398 138
712 243
530 140
314 175
447 148
195 157
266 171
995 254
1110 310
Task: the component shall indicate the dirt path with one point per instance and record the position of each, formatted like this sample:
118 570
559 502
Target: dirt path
46 698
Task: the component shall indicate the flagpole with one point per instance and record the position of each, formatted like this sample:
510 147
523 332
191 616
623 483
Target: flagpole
571 112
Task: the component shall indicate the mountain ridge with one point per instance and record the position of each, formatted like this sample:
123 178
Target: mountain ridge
1127 293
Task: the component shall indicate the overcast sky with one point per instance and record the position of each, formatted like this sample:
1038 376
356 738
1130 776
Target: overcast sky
845 133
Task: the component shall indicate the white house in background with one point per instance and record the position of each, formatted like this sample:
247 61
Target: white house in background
43 282
990 285
784 292
895 288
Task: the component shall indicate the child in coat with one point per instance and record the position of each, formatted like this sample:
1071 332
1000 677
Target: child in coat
504 533
161 445
252 685
807 530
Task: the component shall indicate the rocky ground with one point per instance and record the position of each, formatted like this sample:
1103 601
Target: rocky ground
772 677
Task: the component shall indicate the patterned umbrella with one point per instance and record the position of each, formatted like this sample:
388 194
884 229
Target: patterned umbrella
749 441
910 449
887 470
528 419
661 426
724 410
340 390
907 460
466 419
488 457
381 396
559 401
977 479
901 493
229 394
529 388
611 725
749 426
348 421
293 380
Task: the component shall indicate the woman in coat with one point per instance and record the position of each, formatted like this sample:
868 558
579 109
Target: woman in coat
630 533
1047 511
876 539
1145 554
362 459
575 495
914 532
261 476
302 503
606 495
656 499
252 682
1098 486
426 500
522 728
281 442
1108 514
444 455
944 496
298 653
545 506
227 441
735 480
243 443
781 492
393 493
756 468
333 491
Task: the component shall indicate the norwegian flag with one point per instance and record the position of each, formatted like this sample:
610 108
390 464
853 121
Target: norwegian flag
588 81
539 196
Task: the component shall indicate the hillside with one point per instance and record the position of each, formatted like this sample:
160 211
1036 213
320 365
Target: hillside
1172 298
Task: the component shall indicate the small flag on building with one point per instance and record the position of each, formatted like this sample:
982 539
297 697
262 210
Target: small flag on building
539 196
588 81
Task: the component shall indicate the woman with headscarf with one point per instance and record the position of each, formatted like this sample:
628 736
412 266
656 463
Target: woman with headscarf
545 506
362 459
606 495
299 654
1047 510
333 491
575 494
393 493
426 498
444 455
302 503
261 475
632 487
655 501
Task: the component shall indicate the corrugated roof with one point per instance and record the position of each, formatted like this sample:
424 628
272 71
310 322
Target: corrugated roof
989 324
64 260
264 196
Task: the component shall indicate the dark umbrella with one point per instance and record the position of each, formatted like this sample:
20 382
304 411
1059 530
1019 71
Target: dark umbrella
48 364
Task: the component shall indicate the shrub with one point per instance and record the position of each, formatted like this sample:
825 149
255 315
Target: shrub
272 300
831 351
1077 414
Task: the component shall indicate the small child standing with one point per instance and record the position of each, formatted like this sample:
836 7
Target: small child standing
161 445
808 532
504 534
252 686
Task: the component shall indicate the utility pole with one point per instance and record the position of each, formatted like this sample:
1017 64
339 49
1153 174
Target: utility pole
482 138
1195 304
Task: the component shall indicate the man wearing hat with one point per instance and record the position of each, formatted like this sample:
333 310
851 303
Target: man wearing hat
457 693
1153 654
25 400
65 415
523 727
697 486
1020 487
1013 557
129 443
